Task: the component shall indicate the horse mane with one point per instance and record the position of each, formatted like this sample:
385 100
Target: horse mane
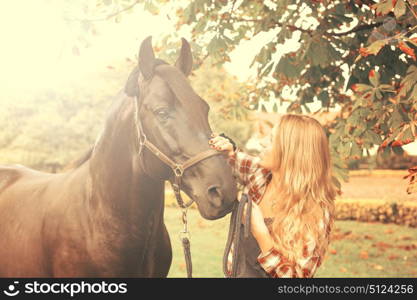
81 160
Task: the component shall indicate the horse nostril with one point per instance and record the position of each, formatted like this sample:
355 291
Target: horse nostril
215 194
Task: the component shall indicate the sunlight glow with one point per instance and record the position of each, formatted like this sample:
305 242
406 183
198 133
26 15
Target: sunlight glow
32 35
37 43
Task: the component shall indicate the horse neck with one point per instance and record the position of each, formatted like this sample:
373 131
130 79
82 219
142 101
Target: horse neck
119 184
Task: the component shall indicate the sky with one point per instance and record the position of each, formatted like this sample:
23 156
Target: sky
37 45
37 42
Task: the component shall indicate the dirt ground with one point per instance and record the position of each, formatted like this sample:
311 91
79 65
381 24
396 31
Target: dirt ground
384 187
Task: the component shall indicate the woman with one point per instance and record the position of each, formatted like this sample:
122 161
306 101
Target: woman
292 191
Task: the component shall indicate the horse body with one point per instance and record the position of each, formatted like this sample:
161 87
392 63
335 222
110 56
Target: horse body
73 225
104 217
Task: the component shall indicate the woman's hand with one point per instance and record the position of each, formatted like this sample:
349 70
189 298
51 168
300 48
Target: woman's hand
220 143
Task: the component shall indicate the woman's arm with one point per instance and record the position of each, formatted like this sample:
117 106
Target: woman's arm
244 166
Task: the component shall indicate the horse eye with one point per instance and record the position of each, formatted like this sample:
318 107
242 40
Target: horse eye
162 114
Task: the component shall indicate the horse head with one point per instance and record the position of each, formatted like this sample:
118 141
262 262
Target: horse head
175 119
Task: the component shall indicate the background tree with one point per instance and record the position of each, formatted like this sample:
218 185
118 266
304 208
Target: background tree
47 129
356 55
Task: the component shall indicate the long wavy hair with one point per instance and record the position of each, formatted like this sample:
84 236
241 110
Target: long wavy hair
303 189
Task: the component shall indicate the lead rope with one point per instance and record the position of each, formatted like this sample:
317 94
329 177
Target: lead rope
234 235
184 234
185 240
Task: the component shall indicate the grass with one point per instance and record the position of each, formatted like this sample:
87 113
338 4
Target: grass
378 172
357 249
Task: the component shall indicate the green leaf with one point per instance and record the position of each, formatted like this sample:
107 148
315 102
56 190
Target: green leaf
400 8
201 25
354 119
189 13
398 150
386 88
378 94
383 7
356 151
372 137
152 8
374 77
324 98
321 52
287 68
342 173
408 81
396 119
413 95
359 131
375 47
267 70
407 135
361 88
386 153
344 149
215 45
275 107
414 42
336 182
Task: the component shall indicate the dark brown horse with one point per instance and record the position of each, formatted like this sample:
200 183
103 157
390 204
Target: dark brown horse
104 218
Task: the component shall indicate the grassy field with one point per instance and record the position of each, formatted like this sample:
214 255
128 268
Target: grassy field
357 249
386 185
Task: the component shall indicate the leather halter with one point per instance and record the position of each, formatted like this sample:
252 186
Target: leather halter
177 168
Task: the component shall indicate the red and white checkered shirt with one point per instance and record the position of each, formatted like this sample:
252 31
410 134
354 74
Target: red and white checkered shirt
255 179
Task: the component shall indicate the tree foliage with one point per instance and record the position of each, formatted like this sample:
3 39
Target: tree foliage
372 43
47 129
354 55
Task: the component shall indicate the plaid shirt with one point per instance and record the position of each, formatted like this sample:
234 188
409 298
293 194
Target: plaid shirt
255 179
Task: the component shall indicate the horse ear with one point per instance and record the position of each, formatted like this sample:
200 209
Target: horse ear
146 58
185 60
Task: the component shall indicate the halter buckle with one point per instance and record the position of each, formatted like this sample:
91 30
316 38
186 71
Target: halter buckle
142 140
176 188
178 170
184 234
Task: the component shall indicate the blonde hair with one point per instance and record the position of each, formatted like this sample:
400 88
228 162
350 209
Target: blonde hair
303 185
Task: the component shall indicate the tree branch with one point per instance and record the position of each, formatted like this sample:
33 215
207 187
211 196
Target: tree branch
310 32
108 16
356 29
411 8
200 62
276 23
